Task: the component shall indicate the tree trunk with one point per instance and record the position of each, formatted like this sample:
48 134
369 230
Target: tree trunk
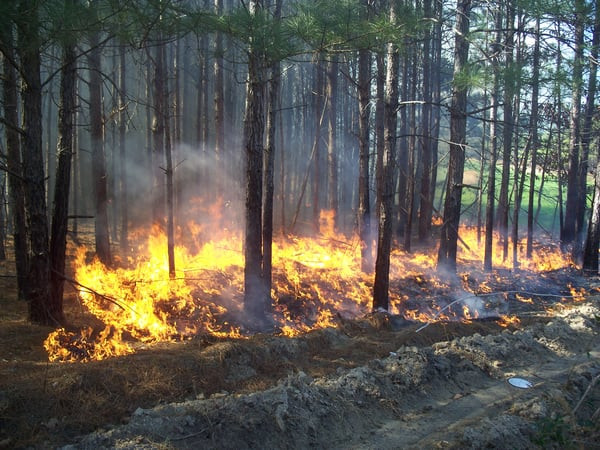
269 166
592 242
364 208
257 305
60 213
14 164
320 109
458 128
332 157
534 137
219 106
40 309
509 92
568 234
425 210
123 175
386 178
586 137
99 176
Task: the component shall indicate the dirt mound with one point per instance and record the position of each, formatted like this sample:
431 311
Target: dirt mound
447 394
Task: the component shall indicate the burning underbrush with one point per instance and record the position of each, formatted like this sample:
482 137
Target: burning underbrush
317 283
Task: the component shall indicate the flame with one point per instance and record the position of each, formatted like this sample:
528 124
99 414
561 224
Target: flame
316 280
577 294
505 321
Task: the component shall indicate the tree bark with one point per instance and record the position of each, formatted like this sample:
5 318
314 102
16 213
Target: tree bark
269 165
509 91
60 212
586 137
123 175
425 210
99 175
40 309
257 305
14 163
592 242
534 137
332 157
364 208
458 125
568 234
386 178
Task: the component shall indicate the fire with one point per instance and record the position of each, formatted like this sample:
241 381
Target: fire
505 321
316 280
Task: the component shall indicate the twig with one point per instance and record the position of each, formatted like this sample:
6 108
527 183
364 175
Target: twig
109 299
183 438
587 391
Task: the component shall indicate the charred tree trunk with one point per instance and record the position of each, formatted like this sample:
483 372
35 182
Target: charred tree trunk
592 242
14 163
534 137
586 138
60 211
219 105
458 127
386 177
425 210
332 157
99 176
41 310
568 234
257 303
364 208
509 92
123 117
320 109
269 166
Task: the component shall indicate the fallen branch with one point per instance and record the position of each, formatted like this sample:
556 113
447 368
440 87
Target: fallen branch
585 394
108 299
490 294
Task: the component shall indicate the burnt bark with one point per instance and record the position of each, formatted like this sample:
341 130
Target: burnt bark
41 310
123 117
60 210
269 165
364 208
257 304
568 233
386 176
14 162
99 174
592 242
458 124
534 137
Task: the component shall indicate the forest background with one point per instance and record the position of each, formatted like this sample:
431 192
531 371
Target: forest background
393 115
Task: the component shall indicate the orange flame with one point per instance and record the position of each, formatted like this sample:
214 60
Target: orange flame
315 279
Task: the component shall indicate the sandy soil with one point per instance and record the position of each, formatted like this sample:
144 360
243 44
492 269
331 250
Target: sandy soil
451 394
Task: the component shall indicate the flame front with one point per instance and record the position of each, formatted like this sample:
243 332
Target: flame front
314 280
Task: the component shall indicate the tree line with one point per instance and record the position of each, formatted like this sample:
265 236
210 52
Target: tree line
372 109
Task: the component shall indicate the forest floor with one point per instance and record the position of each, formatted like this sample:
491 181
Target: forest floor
373 382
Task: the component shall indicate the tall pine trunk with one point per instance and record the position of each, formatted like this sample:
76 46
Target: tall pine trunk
41 310
568 233
14 163
458 129
257 304
99 175
364 208
386 177
60 210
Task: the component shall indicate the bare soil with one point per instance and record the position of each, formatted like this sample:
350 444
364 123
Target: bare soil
374 382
